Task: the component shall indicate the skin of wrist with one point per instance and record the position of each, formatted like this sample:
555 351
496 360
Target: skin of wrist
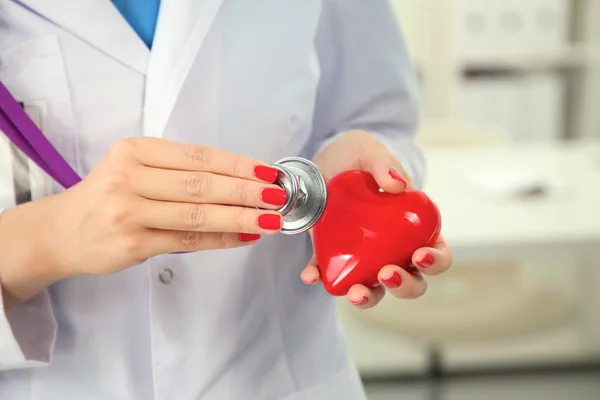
28 258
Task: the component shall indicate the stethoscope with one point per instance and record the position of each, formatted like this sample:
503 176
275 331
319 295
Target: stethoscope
300 178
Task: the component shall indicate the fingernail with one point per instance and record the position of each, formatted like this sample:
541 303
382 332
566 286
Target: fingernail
310 282
396 176
393 281
426 261
276 197
248 237
265 173
361 301
270 221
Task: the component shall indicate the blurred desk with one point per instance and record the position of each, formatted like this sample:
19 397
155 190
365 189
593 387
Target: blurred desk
478 226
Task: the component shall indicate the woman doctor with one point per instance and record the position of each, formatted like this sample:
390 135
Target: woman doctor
173 122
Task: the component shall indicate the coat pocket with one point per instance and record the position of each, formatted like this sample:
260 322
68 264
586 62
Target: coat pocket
34 73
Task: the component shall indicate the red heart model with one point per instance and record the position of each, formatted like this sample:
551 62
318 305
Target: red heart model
363 229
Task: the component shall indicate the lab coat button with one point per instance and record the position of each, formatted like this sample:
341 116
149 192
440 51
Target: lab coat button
165 276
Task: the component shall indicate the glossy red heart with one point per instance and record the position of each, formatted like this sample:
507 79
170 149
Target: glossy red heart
363 229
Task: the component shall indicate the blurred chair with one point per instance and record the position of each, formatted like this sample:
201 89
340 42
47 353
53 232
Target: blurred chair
472 302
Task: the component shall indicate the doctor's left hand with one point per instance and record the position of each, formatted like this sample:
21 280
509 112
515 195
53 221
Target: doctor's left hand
360 150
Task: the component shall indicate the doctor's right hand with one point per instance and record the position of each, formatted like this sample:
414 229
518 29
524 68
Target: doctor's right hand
152 196
148 197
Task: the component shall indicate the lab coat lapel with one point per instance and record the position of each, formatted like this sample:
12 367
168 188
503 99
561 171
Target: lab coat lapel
175 48
98 23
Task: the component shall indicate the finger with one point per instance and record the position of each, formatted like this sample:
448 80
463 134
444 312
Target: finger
310 275
205 187
163 242
166 154
402 283
386 169
362 297
207 218
433 261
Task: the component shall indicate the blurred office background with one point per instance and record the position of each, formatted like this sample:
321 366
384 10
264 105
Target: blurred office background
510 94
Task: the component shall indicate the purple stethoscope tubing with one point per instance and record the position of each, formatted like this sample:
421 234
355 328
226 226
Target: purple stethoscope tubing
25 135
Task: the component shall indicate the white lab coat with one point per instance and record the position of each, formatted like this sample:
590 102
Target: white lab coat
264 78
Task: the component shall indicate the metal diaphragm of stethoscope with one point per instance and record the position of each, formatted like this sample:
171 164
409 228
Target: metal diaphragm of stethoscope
306 191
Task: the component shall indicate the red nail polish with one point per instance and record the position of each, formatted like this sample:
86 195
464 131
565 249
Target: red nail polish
270 221
426 261
397 177
361 302
265 173
276 197
248 237
394 281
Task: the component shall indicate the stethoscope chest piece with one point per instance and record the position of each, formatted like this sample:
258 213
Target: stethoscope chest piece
306 192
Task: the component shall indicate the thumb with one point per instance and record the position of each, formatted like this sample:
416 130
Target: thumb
387 171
